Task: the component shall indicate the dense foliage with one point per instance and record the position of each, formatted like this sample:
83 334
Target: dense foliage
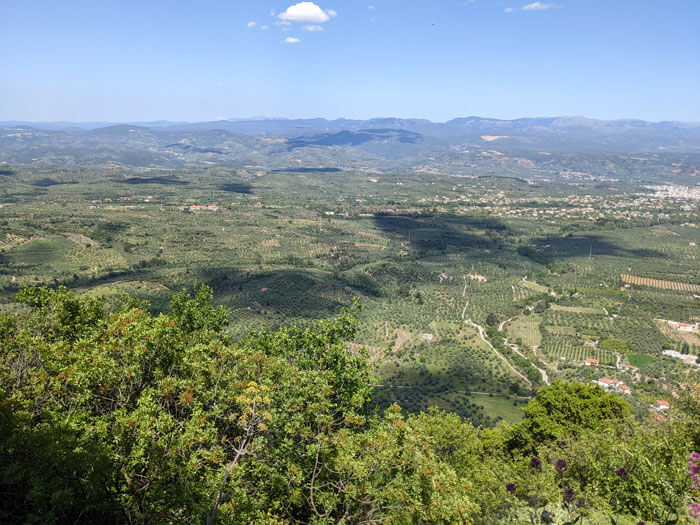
116 415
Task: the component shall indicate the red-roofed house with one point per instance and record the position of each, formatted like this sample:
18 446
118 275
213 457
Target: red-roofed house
609 384
662 405
591 362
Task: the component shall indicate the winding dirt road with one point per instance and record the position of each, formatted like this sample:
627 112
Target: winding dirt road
481 331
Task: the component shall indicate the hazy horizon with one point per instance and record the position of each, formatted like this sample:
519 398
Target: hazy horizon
331 119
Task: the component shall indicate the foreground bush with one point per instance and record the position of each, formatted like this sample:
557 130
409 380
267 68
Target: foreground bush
124 417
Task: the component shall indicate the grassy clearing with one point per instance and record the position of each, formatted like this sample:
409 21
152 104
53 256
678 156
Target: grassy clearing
498 406
639 360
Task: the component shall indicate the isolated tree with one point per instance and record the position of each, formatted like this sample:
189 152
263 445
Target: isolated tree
491 319
563 410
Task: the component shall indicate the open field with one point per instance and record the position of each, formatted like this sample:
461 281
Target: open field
508 409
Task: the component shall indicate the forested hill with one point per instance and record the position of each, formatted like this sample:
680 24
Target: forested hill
115 415
530 147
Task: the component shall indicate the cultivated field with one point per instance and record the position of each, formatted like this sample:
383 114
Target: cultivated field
423 253
657 283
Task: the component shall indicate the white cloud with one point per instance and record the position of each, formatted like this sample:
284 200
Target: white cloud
307 12
373 20
312 28
252 24
291 40
370 7
264 28
535 6
272 12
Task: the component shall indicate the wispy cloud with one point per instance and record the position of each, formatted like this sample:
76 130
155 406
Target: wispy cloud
264 28
291 40
306 12
312 28
534 6
252 24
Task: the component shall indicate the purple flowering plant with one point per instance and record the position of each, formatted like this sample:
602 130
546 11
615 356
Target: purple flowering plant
560 465
694 473
531 499
536 463
694 470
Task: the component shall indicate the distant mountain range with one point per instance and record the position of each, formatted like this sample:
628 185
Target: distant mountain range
579 127
533 146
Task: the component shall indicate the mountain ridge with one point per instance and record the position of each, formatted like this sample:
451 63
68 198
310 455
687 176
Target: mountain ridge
343 123
539 147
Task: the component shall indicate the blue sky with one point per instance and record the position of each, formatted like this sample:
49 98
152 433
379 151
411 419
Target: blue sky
176 60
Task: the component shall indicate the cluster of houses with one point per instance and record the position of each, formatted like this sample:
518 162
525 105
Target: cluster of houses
685 327
613 385
573 207
688 359
673 191
594 362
